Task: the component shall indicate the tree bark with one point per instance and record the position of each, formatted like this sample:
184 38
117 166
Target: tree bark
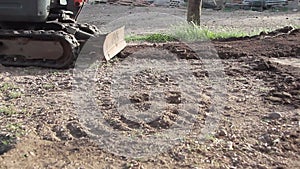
194 11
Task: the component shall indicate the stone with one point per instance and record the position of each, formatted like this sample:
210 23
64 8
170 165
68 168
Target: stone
222 133
230 145
286 94
274 99
274 116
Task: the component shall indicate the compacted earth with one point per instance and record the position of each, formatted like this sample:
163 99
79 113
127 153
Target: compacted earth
227 103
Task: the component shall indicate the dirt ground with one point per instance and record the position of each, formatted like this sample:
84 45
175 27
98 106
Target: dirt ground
231 103
152 19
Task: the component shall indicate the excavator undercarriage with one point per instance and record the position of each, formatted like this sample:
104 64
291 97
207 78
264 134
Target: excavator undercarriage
45 33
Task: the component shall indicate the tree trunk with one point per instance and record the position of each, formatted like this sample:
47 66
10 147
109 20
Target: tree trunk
194 11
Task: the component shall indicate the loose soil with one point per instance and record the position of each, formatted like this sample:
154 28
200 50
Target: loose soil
256 111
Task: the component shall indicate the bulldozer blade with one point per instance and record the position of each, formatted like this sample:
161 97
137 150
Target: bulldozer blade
113 42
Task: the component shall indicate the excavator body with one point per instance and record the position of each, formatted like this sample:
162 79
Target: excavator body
45 33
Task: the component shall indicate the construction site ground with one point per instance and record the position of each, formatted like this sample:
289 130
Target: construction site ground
249 91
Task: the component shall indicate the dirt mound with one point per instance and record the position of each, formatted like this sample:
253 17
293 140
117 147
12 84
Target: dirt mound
263 53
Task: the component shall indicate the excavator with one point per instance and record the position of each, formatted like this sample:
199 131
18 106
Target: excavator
45 33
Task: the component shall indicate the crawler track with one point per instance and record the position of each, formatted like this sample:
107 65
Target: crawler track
50 46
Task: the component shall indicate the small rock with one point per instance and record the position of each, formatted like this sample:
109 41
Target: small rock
230 145
274 99
261 167
240 100
222 133
227 107
261 65
76 130
286 94
163 162
205 98
227 46
179 156
31 153
282 95
276 141
274 116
